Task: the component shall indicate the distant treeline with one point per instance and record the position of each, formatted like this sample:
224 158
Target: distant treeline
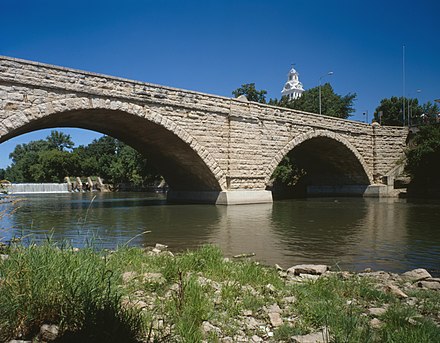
54 158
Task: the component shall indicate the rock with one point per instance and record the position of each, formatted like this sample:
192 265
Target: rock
316 337
278 267
275 319
393 289
156 251
227 340
247 313
430 283
3 257
274 308
207 327
49 333
289 300
128 276
375 323
314 269
157 278
251 323
18 341
415 275
368 270
270 288
161 247
377 311
256 338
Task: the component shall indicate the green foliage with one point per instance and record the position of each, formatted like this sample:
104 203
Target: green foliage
251 93
332 104
54 158
287 173
390 110
423 158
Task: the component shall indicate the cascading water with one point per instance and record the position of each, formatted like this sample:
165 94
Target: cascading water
25 188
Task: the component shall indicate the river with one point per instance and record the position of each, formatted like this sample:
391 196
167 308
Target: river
348 233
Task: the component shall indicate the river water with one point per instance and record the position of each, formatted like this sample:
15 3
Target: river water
350 233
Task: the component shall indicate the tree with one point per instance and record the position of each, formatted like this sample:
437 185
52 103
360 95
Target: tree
423 158
59 141
2 174
251 93
332 104
389 112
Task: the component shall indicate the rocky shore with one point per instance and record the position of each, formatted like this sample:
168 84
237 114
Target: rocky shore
203 297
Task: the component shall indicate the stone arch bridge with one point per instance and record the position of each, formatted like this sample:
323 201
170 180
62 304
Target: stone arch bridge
209 148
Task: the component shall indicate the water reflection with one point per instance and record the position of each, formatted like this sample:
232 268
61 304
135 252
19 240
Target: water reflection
354 233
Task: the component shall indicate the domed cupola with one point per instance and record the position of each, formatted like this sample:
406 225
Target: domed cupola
293 88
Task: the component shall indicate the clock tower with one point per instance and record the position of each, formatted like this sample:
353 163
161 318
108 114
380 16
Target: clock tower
293 88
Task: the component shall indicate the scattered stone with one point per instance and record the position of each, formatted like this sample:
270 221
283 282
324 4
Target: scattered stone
314 269
3 257
415 275
309 276
393 289
227 340
430 283
157 278
128 276
316 337
375 323
368 270
244 255
49 333
377 311
289 300
256 338
156 251
270 288
247 313
161 247
19 341
207 327
274 308
278 267
275 319
251 323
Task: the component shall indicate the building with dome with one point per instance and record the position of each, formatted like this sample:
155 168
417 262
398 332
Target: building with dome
293 88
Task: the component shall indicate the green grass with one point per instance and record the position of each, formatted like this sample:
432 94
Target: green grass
85 294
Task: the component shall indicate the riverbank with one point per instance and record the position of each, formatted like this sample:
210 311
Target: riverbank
62 294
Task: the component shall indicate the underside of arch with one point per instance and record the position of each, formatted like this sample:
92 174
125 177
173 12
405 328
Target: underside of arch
182 167
330 165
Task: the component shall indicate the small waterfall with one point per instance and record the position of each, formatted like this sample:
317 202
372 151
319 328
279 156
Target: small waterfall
26 188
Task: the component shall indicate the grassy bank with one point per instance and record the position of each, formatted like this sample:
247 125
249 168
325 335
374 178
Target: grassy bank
135 294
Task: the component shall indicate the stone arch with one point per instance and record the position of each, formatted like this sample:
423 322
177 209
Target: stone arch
302 138
100 114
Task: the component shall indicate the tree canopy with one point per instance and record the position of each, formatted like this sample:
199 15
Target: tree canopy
54 158
390 112
423 157
251 93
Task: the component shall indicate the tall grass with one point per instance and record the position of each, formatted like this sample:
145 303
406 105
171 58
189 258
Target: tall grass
75 290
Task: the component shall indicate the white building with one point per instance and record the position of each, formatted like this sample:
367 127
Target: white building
293 88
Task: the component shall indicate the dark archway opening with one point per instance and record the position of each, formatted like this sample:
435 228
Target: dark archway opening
181 166
320 166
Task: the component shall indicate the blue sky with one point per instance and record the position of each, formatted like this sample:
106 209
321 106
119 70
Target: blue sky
215 46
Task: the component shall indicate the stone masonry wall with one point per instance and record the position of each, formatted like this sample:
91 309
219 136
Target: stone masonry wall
240 142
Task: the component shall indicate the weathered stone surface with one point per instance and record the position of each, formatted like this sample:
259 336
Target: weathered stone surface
430 283
393 289
201 142
316 337
416 275
157 278
313 269
375 323
49 333
377 311
275 319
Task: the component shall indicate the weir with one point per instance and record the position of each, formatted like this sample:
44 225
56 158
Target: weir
29 188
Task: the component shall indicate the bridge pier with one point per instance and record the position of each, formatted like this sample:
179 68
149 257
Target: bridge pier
233 197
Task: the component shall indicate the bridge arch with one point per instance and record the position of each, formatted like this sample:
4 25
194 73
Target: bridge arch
182 160
316 144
